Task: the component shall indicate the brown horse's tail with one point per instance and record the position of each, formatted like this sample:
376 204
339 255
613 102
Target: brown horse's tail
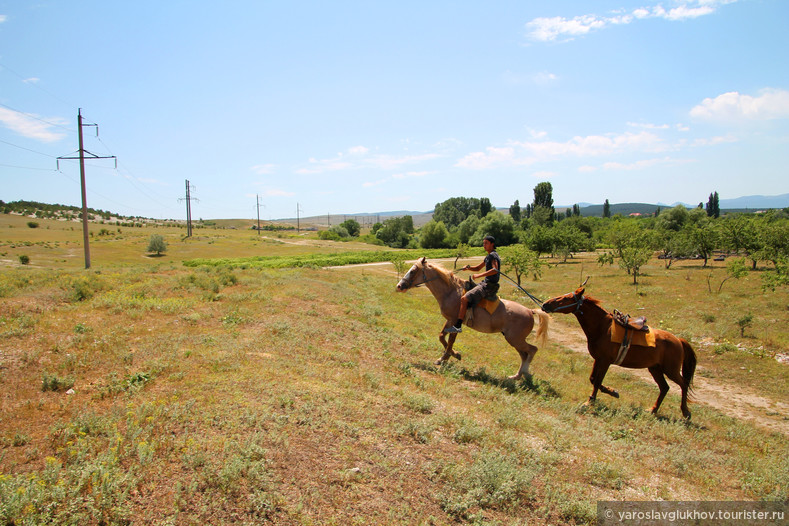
544 320
688 365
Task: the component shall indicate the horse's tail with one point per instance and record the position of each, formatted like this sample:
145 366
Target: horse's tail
544 320
688 364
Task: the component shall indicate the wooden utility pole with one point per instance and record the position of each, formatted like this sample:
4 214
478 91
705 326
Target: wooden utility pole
82 152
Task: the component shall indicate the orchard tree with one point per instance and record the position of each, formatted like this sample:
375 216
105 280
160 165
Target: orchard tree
522 262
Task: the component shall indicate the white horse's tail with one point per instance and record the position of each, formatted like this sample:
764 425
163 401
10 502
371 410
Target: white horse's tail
544 321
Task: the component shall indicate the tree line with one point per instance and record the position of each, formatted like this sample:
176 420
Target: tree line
700 233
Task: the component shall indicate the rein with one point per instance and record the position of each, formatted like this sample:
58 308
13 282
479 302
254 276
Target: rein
535 300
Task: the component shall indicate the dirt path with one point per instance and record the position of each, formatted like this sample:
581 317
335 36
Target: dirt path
736 402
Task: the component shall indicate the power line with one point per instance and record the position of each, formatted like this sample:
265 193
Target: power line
35 84
28 149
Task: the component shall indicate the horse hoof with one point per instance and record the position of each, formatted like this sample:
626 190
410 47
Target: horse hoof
515 376
440 361
615 394
458 356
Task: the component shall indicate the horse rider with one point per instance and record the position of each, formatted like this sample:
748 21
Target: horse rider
488 287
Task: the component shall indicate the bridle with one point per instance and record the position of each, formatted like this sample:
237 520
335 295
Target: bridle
579 300
408 279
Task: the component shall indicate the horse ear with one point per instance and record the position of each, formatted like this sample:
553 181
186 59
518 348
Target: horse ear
579 291
423 261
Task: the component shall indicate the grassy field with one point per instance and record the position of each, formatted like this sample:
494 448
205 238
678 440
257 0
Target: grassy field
143 391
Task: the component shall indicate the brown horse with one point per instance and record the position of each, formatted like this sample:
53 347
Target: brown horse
511 319
669 356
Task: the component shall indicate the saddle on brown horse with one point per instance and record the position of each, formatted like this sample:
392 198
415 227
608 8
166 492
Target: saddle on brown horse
636 324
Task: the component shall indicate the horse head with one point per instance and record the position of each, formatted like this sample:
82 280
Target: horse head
570 302
413 275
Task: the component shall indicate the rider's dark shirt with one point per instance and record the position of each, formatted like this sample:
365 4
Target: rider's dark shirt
489 259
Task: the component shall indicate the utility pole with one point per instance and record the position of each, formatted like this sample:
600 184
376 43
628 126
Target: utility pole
82 152
257 197
188 200
298 223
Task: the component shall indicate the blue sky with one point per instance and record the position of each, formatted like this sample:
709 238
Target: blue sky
351 107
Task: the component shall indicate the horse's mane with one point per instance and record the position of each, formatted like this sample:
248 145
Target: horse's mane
596 302
447 276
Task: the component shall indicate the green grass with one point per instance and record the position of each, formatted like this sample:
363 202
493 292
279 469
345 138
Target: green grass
232 394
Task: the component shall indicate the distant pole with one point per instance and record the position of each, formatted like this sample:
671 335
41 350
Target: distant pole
188 211
85 234
298 221
258 207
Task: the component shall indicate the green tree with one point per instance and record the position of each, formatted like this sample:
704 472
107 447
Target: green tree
735 269
433 235
157 244
467 228
634 246
543 199
515 212
522 262
455 210
606 209
713 206
484 207
462 251
673 219
703 237
396 232
540 239
495 224
352 226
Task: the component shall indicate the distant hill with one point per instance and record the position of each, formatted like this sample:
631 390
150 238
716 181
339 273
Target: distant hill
756 202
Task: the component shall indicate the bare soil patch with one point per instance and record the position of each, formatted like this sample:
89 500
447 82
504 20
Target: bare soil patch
735 401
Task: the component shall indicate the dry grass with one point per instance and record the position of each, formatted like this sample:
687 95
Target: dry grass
309 396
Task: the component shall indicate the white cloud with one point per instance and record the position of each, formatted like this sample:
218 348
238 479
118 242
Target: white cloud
529 152
734 106
492 157
361 160
263 169
648 126
3 18
31 126
278 193
358 150
560 28
594 145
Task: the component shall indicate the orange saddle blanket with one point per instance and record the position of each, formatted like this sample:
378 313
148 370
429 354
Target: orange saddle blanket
645 339
489 305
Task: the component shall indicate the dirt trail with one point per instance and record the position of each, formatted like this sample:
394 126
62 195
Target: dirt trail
736 402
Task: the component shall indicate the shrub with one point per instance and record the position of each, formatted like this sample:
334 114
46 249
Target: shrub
56 383
32 224
24 259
